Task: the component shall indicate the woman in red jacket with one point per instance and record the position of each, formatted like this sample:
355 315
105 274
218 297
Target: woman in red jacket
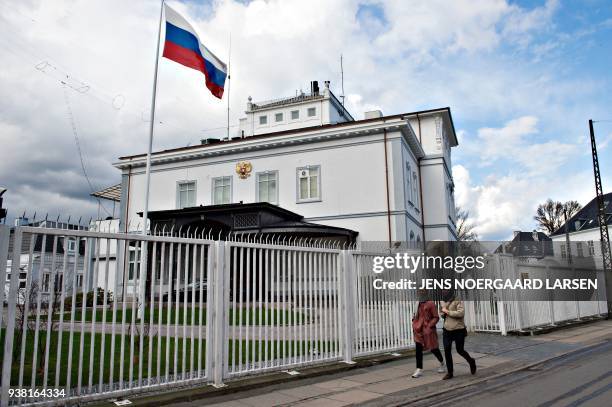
425 333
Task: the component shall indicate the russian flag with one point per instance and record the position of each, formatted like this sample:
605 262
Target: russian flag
182 45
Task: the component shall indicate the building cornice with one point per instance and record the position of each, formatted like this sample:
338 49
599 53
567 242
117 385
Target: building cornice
280 139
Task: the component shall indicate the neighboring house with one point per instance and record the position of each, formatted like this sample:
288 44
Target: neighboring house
47 260
528 245
386 178
583 230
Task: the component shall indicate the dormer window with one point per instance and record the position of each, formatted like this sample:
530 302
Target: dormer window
278 117
263 120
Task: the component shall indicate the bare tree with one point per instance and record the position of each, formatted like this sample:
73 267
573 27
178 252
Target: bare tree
465 227
551 215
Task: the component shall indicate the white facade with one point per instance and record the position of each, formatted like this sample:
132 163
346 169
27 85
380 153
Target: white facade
387 177
583 243
301 111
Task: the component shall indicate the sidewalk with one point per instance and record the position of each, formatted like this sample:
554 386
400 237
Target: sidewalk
390 383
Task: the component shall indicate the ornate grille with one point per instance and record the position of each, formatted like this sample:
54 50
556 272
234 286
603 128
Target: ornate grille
246 220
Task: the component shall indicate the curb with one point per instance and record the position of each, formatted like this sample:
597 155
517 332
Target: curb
545 329
498 375
246 383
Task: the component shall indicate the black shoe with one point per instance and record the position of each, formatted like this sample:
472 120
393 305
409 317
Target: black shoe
447 376
473 366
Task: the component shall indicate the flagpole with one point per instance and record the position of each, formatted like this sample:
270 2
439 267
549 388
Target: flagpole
145 213
229 61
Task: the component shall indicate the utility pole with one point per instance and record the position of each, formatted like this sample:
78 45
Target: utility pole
603 227
567 238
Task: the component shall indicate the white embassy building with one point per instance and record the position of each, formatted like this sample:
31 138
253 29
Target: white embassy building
386 177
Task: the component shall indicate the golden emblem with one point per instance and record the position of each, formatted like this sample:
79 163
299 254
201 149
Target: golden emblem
243 169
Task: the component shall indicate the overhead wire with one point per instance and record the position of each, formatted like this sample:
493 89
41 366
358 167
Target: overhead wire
79 149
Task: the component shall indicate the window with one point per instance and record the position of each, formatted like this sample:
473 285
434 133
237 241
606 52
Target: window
46 279
79 282
267 186
591 246
309 183
408 184
134 263
415 186
312 111
263 120
71 245
295 114
185 194
579 251
563 251
278 117
222 190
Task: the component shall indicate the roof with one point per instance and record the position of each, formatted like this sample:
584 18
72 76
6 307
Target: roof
586 218
304 129
257 217
528 244
222 208
528 237
112 193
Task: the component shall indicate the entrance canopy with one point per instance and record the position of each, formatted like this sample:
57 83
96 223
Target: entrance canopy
251 218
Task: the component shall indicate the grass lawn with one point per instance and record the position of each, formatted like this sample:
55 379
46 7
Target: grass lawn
250 316
175 345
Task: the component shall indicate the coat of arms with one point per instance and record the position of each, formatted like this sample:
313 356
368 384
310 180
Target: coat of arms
243 169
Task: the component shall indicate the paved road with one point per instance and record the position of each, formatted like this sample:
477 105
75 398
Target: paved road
580 379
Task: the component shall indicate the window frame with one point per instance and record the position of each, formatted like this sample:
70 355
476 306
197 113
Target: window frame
231 188
268 172
408 183
297 183
178 192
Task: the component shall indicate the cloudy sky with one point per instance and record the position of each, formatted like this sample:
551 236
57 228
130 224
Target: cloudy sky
522 79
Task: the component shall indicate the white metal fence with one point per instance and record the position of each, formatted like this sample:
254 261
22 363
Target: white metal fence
491 314
114 313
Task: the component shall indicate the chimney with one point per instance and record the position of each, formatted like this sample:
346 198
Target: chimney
314 87
326 89
373 114
516 233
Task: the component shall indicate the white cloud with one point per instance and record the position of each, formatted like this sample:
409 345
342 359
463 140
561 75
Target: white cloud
429 54
502 204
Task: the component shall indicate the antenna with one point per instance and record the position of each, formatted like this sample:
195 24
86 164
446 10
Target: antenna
342 79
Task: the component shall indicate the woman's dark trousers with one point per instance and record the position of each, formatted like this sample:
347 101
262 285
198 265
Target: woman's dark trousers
457 336
419 355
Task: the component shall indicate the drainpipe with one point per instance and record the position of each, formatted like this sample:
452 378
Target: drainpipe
421 185
387 186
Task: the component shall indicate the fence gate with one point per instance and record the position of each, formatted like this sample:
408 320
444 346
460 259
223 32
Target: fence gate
283 307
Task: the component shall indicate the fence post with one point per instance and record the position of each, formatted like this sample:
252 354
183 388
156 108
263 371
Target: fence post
10 323
5 234
348 300
219 339
501 315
